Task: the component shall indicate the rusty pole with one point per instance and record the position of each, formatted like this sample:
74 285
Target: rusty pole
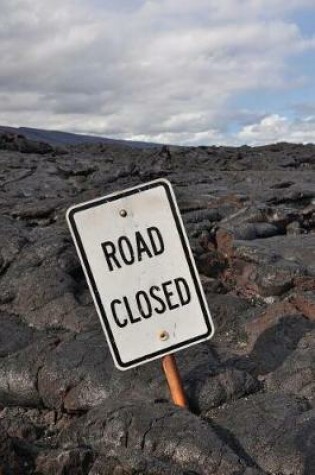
174 380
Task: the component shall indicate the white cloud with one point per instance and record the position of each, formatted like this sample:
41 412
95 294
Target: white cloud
159 69
275 128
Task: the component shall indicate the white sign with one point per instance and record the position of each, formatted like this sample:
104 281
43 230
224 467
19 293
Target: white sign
141 273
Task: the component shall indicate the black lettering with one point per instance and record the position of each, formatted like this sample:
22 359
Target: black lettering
131 318
156 240
152 292
110 251
117 321
169 294
142 246
125 250
184 299
145 299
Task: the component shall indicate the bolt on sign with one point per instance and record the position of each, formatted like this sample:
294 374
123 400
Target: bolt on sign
141 273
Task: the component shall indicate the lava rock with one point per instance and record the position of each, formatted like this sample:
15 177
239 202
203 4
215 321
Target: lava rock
272 431
174 435
64 408
297 373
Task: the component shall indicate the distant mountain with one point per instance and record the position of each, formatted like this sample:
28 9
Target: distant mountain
55 137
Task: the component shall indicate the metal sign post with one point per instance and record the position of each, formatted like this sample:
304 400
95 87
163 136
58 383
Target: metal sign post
174 380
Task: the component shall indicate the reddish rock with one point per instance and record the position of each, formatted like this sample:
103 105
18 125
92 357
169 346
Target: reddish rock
211 264
267 319
224 242
305 303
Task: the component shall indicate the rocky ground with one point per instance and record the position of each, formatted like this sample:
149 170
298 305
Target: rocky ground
65 409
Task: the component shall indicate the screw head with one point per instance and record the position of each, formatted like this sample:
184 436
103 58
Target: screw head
163 335
123 213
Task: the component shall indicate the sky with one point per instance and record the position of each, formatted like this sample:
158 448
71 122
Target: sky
187 72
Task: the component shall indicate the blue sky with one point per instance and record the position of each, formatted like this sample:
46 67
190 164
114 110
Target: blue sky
175 71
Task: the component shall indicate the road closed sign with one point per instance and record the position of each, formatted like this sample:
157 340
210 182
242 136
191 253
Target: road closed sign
141 273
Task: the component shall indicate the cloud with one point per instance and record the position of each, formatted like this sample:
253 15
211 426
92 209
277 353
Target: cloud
276 128
160 69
